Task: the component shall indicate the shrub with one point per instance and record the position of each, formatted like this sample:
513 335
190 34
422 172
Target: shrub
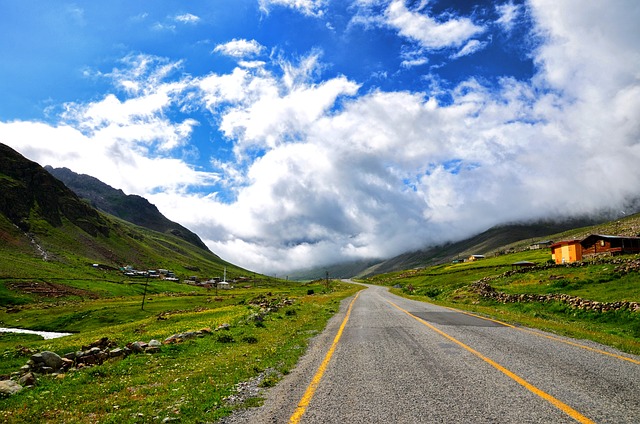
226 338
250 339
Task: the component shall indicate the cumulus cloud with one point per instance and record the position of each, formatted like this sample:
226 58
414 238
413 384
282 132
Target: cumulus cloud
240 48
427 31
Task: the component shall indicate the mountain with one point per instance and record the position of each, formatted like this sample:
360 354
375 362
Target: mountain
46 226
493 240
132 208
28 192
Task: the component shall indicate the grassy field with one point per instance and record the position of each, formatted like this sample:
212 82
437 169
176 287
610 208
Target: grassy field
451 285
186 382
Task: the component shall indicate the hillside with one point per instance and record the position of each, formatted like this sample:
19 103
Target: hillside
47 231
132 208
496 239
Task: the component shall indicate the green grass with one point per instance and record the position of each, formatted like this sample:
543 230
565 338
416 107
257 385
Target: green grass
187 381
450 285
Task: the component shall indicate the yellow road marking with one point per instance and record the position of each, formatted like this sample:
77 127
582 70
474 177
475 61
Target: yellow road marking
311 389
533 389
557 339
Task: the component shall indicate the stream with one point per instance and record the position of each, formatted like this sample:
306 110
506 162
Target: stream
45 334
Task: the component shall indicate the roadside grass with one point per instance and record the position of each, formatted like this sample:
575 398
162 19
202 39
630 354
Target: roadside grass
186 382
450 285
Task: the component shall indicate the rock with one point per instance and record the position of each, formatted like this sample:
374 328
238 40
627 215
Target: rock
154 343
171 339
51 359
224 326
152 349
137 347
9 387
28 380
88 360
115 353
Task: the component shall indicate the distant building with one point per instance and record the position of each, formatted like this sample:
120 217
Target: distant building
475 258
594 245
540 244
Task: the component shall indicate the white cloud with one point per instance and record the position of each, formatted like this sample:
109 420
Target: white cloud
471 47
509 14
240 48
106 156
306 7
427 31
187 18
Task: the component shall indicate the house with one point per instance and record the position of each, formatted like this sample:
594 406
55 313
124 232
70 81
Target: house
566 251
597 244
594 245
475 258
540 244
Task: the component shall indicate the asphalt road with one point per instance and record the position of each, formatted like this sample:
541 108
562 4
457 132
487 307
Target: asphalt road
386 359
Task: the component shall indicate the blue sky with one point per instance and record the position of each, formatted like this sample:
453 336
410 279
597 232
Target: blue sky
299 133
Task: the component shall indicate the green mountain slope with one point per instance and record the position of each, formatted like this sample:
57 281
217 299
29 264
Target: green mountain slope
47 231
494 240
132 208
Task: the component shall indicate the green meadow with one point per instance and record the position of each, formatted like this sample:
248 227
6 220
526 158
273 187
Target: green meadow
192 381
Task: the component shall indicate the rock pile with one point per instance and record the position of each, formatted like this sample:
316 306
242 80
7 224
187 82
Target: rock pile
95 353
484 289
628 267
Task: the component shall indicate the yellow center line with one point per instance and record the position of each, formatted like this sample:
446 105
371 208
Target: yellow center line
547 336
533 389
311 389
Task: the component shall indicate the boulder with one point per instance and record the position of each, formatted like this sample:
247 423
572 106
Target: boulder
115 353
152 349
137 347
28 380
9 387
51 359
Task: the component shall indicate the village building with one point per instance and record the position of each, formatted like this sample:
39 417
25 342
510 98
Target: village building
475 258
541 244
568 251
597 244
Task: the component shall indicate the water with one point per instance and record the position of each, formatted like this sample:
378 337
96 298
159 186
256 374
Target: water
45 334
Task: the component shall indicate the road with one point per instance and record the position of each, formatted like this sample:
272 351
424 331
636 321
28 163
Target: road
386 359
